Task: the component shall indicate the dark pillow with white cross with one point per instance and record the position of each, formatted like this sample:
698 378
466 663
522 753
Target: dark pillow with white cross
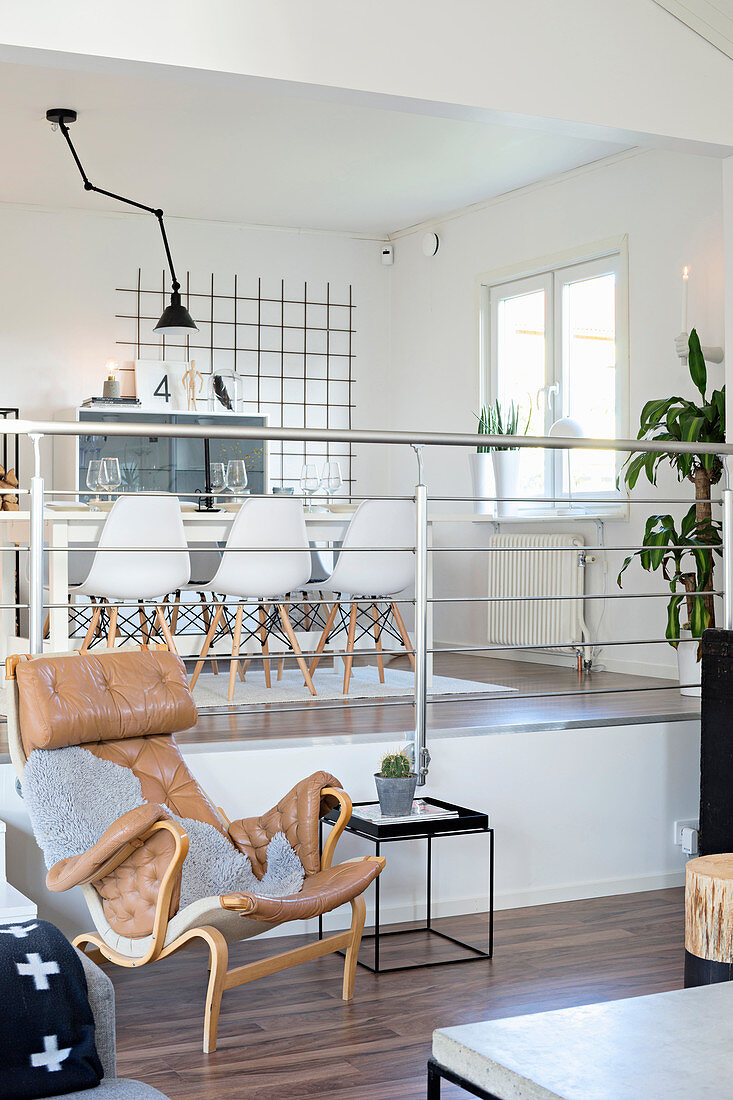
47 1030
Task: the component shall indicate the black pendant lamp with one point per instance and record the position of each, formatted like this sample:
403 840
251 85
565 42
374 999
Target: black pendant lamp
175 320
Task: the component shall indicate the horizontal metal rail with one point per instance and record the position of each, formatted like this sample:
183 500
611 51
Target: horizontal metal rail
580 549
364 549
498 647
353 435
578 500
512 694
588 596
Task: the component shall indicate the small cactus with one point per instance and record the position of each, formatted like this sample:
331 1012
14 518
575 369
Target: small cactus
395 765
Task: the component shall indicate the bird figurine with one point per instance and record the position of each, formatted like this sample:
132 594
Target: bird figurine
221 392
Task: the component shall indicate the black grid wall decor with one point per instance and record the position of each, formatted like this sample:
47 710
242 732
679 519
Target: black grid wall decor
291 343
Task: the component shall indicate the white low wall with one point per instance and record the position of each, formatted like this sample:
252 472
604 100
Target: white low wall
578 813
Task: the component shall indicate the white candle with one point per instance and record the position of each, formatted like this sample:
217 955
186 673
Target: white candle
685 281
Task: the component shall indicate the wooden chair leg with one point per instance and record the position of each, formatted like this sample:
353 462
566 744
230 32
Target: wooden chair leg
358 916
264 644
349 659
236 640
144 630
323 639
47 625
92 628
288 627
280 668
111 637
218 962
165 629
403 632
206 646
207 622
378 642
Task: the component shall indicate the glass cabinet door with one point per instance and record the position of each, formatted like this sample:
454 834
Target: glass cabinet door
189 453
152 463
146 462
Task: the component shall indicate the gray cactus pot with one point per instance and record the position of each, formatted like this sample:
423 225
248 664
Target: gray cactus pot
395 795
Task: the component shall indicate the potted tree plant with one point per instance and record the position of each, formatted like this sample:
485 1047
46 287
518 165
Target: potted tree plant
503 462
684 552
396 783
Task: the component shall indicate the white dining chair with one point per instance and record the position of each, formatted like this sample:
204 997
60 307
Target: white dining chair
145 522
266 557
369 581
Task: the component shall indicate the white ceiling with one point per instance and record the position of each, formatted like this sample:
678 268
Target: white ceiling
238 155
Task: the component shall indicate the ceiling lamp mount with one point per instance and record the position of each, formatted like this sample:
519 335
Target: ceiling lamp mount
175 320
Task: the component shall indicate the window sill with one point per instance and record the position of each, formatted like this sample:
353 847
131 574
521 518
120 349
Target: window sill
547 515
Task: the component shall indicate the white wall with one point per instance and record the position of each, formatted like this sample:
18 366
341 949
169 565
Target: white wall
577 813
58 299
669 205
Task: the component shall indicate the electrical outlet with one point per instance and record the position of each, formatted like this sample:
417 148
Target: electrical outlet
688 823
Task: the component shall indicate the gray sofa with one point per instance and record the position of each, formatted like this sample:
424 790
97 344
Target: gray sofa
111 1087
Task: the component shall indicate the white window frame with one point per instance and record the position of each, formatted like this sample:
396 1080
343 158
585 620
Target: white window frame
550 273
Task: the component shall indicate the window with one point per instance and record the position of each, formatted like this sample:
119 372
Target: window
555 345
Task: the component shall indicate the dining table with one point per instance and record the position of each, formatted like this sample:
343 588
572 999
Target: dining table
70 526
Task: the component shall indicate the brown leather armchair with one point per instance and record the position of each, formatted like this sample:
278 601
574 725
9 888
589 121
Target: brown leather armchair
125 707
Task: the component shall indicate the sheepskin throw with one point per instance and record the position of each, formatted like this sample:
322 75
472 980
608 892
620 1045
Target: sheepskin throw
73 797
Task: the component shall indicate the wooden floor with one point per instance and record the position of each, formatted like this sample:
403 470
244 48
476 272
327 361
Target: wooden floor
596 698
291 1037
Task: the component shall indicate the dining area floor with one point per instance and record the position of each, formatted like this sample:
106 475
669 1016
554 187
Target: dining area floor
521 702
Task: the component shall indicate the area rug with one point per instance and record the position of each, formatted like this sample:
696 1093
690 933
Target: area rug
211 691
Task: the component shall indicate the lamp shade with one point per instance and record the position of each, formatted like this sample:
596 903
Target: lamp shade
566 427
176 320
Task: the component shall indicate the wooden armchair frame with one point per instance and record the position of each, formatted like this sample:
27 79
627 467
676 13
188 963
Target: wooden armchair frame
220 977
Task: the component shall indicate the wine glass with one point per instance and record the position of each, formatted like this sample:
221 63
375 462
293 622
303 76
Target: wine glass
331 479
236 476
94 470
217 477
110 475
310 482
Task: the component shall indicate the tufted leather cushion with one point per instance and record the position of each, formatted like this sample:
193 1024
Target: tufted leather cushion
163 774
130 892
296 815
82 698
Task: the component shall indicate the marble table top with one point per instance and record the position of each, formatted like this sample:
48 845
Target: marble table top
672 1045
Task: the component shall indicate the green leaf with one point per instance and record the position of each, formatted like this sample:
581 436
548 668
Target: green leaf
673 620
696 364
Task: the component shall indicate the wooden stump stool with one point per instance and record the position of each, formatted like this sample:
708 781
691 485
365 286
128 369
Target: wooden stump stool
709 920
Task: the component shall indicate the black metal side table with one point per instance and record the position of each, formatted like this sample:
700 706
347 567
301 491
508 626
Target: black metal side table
466 822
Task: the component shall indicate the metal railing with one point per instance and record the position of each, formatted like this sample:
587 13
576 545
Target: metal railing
423 600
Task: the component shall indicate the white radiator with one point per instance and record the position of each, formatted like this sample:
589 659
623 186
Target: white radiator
525 566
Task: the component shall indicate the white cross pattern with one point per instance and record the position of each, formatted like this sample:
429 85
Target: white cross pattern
38 970
50 1057
18 930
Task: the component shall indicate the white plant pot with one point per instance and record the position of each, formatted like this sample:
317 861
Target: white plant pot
482 477
506 480
688 666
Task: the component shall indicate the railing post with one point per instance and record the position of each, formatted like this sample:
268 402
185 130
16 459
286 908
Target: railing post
36 553
422 756
727 534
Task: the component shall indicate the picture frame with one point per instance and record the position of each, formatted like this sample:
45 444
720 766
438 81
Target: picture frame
159 384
